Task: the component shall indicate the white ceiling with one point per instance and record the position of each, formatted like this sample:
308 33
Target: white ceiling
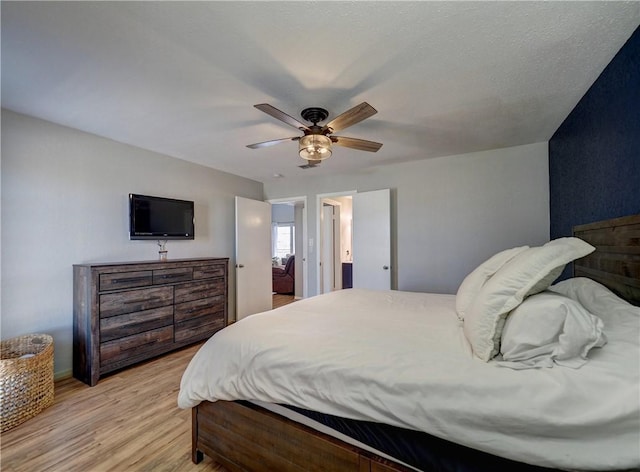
181 78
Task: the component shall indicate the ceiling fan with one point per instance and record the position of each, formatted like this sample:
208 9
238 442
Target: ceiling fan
315 144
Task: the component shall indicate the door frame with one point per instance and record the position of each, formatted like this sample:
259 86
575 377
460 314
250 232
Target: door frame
305 256
332 238
319 201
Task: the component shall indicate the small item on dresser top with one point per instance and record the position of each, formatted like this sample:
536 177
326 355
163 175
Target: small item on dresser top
163 250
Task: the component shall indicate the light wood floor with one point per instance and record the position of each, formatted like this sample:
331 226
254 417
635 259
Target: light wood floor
129 421
281 300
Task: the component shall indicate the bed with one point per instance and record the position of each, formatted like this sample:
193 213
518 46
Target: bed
398 381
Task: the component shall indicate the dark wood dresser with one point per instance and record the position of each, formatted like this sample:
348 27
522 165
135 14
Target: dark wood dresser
125 313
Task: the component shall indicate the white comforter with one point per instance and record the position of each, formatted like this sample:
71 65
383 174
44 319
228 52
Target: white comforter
401 358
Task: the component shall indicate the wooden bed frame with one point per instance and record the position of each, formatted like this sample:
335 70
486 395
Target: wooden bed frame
616 261
246 437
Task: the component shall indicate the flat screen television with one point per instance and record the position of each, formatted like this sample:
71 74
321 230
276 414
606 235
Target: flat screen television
160 218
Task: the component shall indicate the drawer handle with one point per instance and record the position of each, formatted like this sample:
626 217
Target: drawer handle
151 341
171 276
137 300
195 308
130 279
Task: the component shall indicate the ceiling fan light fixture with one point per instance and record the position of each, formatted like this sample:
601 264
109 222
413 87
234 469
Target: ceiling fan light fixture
315 147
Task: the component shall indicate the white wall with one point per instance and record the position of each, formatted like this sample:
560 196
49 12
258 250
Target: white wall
448 214
65 201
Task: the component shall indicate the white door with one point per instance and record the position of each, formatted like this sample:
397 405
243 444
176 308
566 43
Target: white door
253 257
372 240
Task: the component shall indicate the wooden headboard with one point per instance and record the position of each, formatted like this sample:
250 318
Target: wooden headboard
616 261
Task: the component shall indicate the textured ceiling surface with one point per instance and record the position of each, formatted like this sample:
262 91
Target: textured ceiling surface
181 78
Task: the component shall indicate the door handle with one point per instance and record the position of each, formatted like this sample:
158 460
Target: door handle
385 267
239 266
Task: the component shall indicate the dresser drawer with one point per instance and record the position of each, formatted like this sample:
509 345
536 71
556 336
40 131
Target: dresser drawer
116 327
198 308
120 280
126 350
199 328
196 290
112 304
209 271
166 276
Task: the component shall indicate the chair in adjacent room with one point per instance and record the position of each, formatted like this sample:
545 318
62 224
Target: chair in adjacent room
284 279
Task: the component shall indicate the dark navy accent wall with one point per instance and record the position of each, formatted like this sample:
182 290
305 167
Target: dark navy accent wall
594 156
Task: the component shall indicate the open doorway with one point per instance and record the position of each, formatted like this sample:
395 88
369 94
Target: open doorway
289 253
363 235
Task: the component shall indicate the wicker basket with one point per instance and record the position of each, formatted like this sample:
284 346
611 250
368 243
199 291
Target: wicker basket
26 378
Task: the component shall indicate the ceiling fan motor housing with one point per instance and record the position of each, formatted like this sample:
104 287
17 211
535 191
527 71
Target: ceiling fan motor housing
314 114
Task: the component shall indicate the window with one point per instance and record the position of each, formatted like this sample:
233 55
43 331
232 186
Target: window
283 239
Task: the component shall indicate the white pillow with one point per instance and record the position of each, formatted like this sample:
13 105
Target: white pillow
528 273
548 329
594 296
473 282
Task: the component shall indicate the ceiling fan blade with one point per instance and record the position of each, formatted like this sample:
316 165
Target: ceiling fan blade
354 143
272 142
350 117
280 115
